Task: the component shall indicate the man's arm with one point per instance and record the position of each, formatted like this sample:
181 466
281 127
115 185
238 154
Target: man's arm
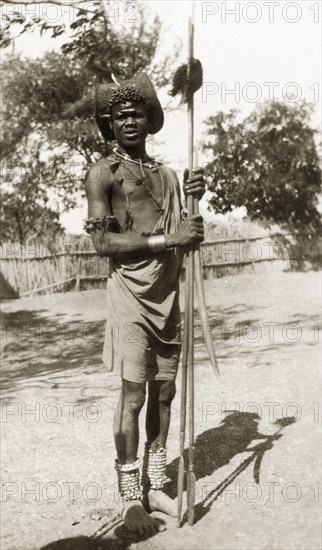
97 187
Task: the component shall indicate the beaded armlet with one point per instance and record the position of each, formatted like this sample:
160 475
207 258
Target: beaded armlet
107 223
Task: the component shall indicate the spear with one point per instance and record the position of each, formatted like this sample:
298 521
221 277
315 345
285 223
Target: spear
191 203
187 80
188 347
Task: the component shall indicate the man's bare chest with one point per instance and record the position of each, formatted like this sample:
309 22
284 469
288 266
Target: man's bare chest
137 201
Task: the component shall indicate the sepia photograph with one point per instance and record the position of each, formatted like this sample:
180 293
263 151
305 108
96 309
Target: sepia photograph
160 279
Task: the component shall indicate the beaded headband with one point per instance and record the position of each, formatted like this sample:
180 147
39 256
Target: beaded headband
126 93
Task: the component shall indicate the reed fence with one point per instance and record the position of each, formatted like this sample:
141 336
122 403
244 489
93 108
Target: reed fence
30 272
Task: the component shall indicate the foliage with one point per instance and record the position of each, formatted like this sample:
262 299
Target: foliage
268 163
26 209
37 92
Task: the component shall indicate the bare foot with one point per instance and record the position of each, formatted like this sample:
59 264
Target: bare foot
160 501
137 519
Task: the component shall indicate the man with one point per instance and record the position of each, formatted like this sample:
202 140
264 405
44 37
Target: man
135 218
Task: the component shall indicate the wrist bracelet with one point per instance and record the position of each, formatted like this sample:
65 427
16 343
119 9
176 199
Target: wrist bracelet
157 243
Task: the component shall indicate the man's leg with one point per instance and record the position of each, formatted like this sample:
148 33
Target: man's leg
161 394
126 421
126 435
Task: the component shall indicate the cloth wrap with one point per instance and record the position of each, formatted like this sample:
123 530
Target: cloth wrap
143 295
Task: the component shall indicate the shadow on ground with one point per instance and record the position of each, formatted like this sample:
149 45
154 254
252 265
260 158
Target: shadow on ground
215 448
85 543
34 345
121 539
233 335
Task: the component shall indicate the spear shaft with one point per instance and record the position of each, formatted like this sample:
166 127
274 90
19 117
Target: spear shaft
188 344
191 478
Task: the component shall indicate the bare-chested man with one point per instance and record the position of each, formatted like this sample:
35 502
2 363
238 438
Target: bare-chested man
135 218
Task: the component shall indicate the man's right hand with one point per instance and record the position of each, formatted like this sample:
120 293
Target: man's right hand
191 231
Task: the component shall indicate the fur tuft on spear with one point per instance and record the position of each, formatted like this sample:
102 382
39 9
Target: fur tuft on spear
187 80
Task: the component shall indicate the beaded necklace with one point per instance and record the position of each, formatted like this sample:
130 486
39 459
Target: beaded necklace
129 222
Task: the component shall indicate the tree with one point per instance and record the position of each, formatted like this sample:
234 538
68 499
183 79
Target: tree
37 93
268 163
27 212
46 87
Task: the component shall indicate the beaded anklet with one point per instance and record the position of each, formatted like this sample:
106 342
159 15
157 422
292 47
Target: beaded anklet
154 465
129 480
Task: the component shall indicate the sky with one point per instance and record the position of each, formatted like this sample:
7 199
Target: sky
250 52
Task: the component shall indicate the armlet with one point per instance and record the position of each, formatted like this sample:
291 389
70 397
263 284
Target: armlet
107 223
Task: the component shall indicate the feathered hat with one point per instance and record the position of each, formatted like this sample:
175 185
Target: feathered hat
107 94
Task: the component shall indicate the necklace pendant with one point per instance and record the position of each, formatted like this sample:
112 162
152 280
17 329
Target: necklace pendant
139 181
129 222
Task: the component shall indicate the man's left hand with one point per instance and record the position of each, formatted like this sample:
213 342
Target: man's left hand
196 185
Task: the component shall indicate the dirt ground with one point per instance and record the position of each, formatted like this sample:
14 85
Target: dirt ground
257 457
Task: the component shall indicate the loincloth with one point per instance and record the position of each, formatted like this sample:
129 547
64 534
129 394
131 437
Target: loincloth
139 356
143 328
